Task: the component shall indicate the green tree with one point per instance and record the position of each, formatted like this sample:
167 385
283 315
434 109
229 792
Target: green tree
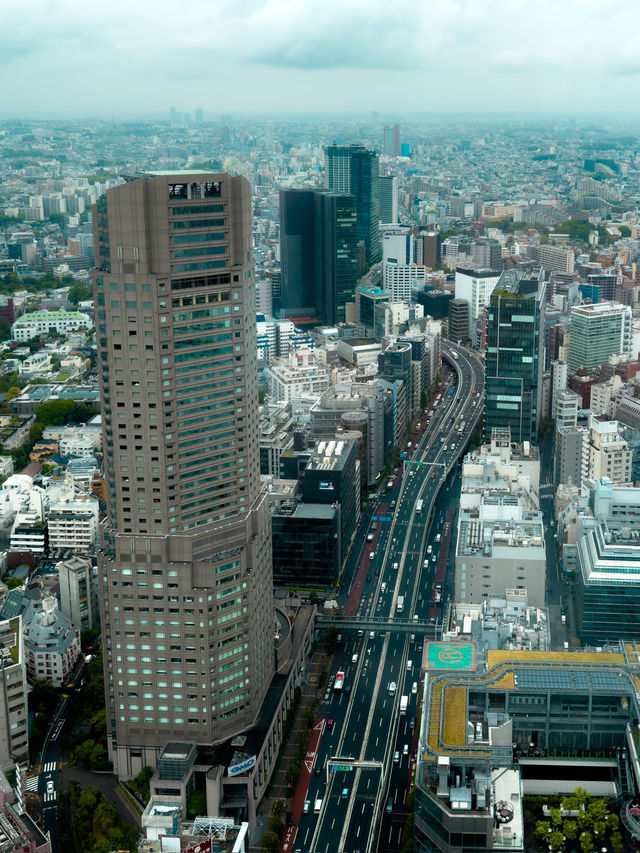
83 752
78 292
98 755
43 696
98 722
556 840
197 804
89 799
570 829
586 841
597 809
270 842
55 412
584 821
276 825
280 808
556 817
542 830
616 843
140 784
35 432
13 583
13 392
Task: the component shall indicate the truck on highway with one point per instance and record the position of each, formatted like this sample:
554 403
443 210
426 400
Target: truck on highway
400 604
419 505
404 701
455 355
339 682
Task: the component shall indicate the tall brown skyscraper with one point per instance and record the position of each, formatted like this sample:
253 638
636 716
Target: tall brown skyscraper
185 568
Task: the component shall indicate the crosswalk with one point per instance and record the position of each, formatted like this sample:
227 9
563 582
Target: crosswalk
32 783
49 767
50 796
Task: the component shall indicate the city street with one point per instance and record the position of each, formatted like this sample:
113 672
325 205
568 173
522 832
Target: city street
371 717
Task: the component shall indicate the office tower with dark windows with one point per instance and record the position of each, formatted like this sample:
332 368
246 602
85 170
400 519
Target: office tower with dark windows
354 170
515 355
458 320
297 252
185 564
318 252
388 199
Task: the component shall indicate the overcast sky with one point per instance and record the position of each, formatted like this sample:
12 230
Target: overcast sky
112 58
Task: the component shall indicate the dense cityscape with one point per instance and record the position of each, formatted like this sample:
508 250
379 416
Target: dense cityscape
320 484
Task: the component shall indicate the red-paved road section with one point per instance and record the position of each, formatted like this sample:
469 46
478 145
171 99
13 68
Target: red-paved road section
303 785
364 568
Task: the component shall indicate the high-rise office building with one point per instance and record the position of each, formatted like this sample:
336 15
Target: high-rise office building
389 199
391 140
353 169
598 331
185 564
458 320
318 253
515 355
297 252
336 252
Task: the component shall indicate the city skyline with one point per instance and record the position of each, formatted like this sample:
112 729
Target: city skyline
266 56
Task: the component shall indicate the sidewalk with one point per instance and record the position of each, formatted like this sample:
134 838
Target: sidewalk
279 790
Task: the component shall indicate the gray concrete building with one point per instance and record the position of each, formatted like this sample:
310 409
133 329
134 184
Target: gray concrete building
185 574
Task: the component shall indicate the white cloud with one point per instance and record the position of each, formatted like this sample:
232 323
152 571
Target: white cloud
297 54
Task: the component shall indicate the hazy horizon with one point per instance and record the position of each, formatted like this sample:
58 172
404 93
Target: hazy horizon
262 57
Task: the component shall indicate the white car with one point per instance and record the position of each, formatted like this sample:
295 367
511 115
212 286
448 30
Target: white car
414 687
50 786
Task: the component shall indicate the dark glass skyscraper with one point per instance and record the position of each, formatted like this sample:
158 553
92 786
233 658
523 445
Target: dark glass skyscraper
318 253
355 170
298 252
515 355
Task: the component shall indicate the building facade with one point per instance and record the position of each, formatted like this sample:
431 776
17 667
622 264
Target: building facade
318 251
185 577
354 170
46 322
598 331
515 355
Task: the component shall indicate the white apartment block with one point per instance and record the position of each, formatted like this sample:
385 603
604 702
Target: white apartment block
559 378
400 280
556 258
45 322
296 375
604 396
609 453
77 442
500 546
73 525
